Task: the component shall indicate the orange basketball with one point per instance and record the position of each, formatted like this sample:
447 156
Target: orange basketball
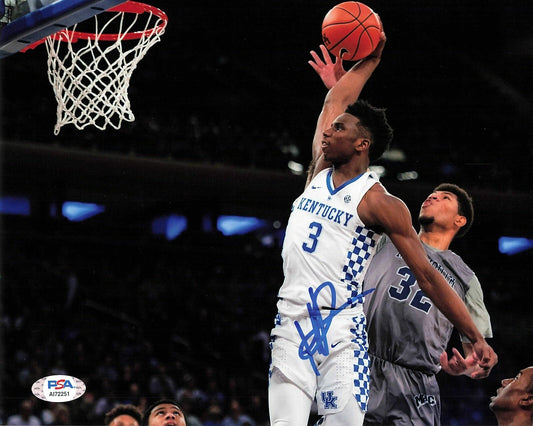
353 28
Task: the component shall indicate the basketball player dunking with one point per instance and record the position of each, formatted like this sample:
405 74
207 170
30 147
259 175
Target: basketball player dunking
319 346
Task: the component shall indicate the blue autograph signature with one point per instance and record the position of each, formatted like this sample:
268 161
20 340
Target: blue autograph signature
316 340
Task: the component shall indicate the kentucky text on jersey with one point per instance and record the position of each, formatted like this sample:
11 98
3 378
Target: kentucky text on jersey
325 211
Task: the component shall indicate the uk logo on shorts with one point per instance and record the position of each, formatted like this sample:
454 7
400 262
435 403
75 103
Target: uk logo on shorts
329 400
58 388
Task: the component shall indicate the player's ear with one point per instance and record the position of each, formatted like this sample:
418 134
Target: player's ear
460 221
362 144
526 402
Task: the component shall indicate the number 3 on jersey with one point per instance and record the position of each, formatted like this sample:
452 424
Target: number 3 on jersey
316 229
403 291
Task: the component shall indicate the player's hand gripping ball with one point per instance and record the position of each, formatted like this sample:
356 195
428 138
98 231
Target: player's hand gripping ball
351 29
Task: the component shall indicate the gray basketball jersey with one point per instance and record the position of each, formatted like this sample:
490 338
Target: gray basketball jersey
403 325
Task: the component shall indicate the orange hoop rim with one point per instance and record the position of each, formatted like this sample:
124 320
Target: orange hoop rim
128 7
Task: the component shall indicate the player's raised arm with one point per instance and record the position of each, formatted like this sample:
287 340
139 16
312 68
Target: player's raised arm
383 211
344 89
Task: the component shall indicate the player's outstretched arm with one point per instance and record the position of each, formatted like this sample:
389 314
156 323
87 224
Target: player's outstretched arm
344 91
380 210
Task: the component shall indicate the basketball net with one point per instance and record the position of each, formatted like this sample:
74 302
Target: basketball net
90 71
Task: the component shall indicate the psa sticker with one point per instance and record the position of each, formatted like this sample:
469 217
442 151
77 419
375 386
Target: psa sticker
58 388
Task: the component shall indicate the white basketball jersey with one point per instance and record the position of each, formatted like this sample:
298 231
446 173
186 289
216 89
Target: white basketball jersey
327 247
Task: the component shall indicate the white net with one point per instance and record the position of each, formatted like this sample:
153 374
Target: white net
90 71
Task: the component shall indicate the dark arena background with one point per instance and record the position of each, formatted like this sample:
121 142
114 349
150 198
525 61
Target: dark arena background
146 260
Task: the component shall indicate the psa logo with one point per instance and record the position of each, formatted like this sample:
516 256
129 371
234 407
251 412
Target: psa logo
58 388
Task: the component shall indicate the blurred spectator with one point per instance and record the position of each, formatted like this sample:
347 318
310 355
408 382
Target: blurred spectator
61 415
123 415
213 415
83 409
104 402
161 383
213 393
188 406
259 410
236 417
191 391
25 416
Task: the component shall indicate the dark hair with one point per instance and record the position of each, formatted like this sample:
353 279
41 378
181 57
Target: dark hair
464 200
118 410
374 120
147 412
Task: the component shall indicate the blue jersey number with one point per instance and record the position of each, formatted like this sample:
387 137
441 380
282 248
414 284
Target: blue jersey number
316 229
403 291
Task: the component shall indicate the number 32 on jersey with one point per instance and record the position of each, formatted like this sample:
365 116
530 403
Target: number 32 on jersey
402 292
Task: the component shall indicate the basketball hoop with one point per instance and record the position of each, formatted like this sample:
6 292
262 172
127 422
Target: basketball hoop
90 70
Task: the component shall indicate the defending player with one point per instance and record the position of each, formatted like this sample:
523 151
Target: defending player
407 334
319 347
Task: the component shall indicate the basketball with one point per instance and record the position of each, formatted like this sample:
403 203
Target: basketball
351 28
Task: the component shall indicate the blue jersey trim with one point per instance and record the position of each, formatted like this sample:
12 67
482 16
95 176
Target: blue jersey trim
329 182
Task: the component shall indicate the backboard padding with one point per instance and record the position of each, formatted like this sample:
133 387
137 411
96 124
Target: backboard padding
34 26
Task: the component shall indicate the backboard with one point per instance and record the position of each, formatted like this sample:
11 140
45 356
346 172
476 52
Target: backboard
26 31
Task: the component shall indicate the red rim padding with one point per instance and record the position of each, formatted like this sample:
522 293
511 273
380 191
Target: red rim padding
128 7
